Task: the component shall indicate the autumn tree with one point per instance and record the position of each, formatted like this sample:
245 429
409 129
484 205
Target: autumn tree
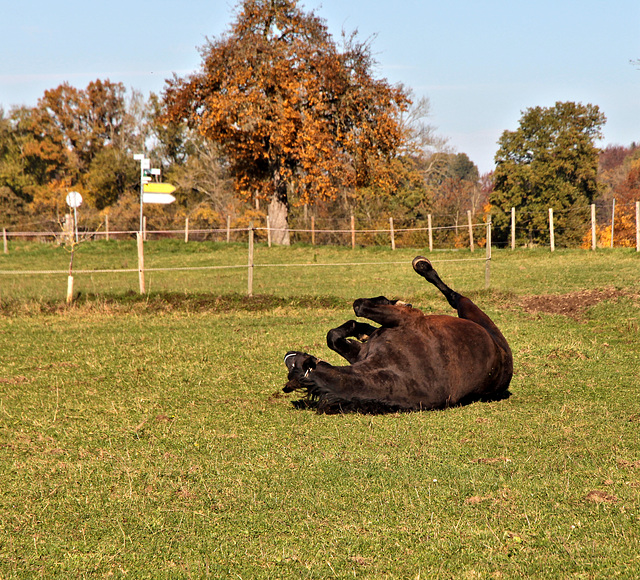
14 183
81 138
81 122
297 117
551 160
619 176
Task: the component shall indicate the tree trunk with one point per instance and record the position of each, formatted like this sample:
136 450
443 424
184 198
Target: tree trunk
278 214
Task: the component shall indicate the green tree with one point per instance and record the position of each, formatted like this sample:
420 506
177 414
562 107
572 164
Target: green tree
19 178
551 160
111 173
296 116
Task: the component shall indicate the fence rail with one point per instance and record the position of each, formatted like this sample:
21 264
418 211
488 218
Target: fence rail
522 223
391 232
250 265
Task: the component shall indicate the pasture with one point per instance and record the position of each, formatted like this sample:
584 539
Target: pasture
148 437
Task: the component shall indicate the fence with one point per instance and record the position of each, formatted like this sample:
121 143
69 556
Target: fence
250 266
389 233
429 231
586 226
364 236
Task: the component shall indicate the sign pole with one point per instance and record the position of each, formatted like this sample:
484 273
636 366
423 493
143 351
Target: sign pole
141 263
75 221
145 164
74 200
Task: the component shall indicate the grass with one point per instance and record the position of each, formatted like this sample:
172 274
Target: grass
148 437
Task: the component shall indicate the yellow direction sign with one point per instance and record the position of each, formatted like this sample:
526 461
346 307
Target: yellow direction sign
158 188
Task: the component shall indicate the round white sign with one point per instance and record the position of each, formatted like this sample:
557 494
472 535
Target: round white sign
74 199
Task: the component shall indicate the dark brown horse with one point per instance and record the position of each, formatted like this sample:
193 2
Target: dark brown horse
412 361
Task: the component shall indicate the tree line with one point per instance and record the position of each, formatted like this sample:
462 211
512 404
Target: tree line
284 120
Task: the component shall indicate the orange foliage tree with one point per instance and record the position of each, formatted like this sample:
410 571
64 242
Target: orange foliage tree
70 138
627 193
298 118
619 177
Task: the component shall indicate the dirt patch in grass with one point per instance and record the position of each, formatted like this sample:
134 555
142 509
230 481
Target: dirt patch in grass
598 496
572 304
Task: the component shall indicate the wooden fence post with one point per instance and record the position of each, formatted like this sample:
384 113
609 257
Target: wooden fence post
353 232
593 226
269 231
186 229
313 230
551 233
228 228
106 226
250 265
140 238
392 234
513 228
430 232
637 226
613 219
487 264
4 240
470 230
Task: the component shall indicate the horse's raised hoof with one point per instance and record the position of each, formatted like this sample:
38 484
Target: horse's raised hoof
422 266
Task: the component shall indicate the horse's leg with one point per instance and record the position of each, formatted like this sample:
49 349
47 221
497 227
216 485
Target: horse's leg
338 339
329 386
381 310
464 306
423 267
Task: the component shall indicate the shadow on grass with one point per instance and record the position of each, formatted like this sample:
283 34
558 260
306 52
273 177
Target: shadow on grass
153 303
376 408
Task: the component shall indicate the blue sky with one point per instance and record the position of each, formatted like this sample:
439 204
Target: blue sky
480 62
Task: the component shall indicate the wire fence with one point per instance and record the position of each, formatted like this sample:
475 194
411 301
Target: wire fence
250 265
456 236
603 224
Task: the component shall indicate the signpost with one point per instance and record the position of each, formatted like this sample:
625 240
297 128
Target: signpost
151 192
158 193
74 200
145 165
158 188
163 198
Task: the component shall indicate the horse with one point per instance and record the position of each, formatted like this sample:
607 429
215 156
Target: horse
412 361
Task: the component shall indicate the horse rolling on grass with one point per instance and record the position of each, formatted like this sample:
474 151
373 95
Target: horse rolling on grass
412 361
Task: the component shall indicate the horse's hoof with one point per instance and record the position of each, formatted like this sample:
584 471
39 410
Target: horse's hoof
421 265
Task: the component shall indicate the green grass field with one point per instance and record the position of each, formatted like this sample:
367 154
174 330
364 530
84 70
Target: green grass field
147 437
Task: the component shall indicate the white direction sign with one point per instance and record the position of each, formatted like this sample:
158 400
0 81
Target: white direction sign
157 198
74 199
